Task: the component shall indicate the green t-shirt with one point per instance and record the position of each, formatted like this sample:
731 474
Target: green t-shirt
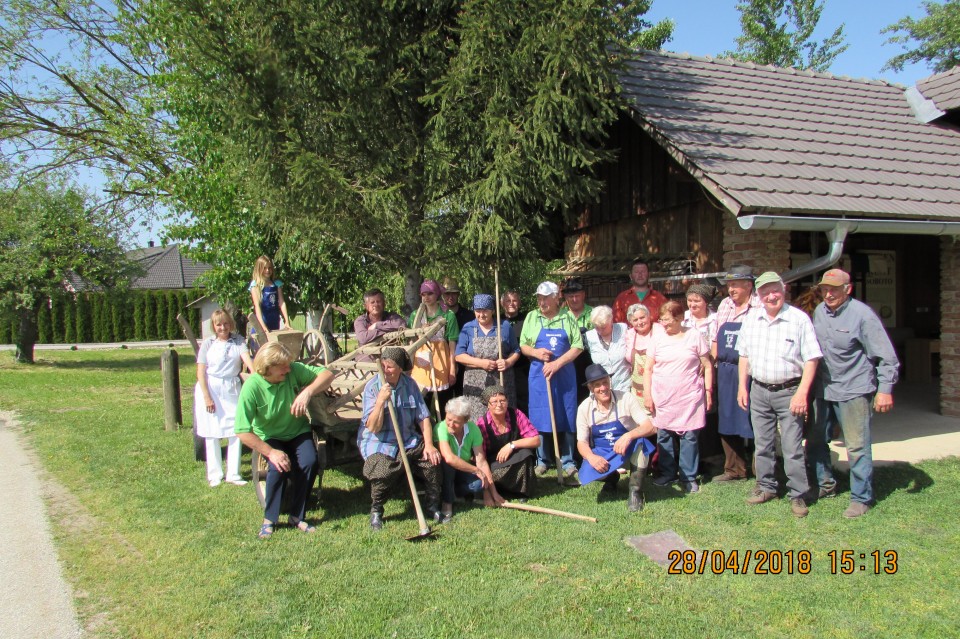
264 408
535 321
583 322
472 437
451 330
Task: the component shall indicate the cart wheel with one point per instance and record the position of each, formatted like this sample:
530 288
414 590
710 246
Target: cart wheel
258 471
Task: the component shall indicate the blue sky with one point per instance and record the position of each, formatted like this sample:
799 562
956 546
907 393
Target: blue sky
710 27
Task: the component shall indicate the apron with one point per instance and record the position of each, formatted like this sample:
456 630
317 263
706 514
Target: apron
602 439
434 354
564 384
734 420
475 380
269 307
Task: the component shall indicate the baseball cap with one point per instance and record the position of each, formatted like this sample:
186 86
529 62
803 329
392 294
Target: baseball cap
835 277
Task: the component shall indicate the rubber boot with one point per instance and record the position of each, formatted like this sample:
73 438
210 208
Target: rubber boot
376 517
635 500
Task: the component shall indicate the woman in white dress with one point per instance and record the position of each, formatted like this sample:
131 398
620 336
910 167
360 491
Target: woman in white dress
215 397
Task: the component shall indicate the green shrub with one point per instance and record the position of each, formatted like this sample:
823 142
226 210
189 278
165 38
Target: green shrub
43 323
83 329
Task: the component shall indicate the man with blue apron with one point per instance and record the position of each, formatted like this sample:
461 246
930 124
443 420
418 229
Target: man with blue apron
734 427
611 430
552 342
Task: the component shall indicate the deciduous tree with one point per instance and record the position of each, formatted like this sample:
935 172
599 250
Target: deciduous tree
779 32
48 233
934 39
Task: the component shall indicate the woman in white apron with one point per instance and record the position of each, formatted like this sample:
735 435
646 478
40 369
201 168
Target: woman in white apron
215 396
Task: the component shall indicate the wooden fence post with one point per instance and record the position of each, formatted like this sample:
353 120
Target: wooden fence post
170 371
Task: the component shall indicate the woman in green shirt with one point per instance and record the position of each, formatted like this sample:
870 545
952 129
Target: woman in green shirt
272 420
465 467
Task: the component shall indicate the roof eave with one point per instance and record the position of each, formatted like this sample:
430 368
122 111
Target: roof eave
718 192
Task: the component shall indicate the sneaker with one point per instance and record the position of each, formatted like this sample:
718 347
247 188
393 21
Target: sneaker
663 480
540 470
237 482
826 493
215 482
569 471
760 496
446 518
691 487
799 507
855 510
726 477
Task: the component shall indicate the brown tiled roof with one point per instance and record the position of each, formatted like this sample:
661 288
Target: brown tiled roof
765 139
165 268
943 89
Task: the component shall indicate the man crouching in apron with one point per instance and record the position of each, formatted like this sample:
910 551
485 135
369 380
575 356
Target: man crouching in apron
611 427
552 341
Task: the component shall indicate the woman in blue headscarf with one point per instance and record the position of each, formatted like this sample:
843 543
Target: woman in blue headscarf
484 356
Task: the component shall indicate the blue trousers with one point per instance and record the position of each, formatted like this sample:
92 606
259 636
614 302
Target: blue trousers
853 416
668 441
457 483
564 442
302 473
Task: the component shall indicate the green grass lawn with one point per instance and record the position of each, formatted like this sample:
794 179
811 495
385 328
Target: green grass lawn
152 551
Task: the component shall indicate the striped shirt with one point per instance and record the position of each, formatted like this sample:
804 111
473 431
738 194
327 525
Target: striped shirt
776 349
411 411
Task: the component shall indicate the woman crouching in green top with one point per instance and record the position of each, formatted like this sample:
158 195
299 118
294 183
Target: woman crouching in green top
465 467
272 420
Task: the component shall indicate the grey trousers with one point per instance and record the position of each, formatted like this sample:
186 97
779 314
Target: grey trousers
766 410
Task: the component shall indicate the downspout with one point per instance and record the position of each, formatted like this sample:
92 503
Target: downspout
837 230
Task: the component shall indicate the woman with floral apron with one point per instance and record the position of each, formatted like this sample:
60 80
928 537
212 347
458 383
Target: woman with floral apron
484 359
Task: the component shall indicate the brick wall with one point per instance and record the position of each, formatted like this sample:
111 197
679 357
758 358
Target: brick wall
763 250
949 327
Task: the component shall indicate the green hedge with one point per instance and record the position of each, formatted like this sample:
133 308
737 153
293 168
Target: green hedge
131 316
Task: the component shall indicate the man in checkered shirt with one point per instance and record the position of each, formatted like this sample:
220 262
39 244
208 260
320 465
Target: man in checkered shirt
779 350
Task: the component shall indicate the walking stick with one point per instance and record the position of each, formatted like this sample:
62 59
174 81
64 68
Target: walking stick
421 520
553 426
496 303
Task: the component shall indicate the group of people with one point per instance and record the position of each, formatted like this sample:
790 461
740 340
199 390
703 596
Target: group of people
500 391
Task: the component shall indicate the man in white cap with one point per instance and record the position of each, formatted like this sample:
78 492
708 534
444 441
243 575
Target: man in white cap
779 350
552 341
858 372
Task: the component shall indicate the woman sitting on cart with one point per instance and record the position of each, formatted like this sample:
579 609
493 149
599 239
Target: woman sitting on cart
377 440
272 420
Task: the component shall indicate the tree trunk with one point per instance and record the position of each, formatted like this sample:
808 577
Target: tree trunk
27 337
411 289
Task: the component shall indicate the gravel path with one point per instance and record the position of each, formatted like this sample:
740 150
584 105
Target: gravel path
35 601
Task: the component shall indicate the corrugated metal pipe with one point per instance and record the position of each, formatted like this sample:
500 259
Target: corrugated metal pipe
837 230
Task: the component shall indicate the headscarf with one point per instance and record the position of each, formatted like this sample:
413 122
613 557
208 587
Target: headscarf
433 287
483 302
398 356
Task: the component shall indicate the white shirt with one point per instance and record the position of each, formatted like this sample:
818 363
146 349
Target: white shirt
776 349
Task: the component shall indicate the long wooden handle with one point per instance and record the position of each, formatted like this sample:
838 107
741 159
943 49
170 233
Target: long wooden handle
421 520
496 305
547 511
553 427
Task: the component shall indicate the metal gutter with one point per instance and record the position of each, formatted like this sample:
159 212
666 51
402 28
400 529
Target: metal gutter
837 230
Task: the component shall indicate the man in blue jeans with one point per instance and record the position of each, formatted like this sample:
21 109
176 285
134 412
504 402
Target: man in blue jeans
859 369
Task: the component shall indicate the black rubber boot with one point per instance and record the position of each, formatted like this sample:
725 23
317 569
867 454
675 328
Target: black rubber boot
376 517
610 484
635 501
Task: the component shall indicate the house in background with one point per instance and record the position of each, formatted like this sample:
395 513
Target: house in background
166 268
724 163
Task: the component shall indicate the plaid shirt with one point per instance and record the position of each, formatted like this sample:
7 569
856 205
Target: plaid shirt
411 411
727 312
778 348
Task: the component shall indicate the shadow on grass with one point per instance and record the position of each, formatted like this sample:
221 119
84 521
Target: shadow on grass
887 479
142 363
